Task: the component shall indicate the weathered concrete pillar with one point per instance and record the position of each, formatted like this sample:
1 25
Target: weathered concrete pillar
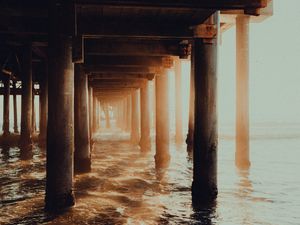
135 136
43 106
26 110
91 111
82 155
178 102
33 114
128 113
162 155
145 141
16 129
60 130
204 186
107 116
95 104
190 135
6 101
242 92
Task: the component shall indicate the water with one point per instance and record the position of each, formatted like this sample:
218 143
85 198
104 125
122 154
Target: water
125 188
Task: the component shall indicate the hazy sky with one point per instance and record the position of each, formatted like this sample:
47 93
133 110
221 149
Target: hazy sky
274 68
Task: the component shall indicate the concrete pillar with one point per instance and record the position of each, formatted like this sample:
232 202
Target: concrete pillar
128 113
82 155
242 92
33 114
94 114
26 110
91 112
178 102
60 130
134 118
204 187
145 141
107 116
43 106
162 155
190 135
16 129
6 104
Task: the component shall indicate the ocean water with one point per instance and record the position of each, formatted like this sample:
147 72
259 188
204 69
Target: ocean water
125 187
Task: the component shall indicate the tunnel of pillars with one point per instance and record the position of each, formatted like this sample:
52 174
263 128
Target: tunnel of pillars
82 91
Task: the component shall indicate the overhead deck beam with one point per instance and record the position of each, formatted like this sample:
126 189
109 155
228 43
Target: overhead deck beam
126 61
118 70
131 47
100 76
182 4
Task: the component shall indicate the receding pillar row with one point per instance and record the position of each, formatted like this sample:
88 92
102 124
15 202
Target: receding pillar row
134 118
26 111
60 131
162 155
82 155
145 117
6 101
242 92
205 131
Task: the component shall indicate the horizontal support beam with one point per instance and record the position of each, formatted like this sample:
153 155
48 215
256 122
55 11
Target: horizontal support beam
18 91
118 70
131 47
182 4
126 61
100 76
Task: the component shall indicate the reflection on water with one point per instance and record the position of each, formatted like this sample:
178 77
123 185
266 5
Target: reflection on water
125 187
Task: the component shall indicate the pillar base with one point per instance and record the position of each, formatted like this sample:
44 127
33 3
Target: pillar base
145 145
162 160
82 165
244 165
189 138
58 202
203 193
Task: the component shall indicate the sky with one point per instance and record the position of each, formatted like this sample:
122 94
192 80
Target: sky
274 68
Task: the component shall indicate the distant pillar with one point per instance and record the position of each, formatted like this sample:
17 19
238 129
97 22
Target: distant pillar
145 117
33 114
128 113
43 106
82 154
242 92
26 111
134 118
162 156
190 135
95 104
16 129
60 130
204 187
91 112
107 116
6 101
178 102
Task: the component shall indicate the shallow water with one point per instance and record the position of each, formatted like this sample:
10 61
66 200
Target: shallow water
124 187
